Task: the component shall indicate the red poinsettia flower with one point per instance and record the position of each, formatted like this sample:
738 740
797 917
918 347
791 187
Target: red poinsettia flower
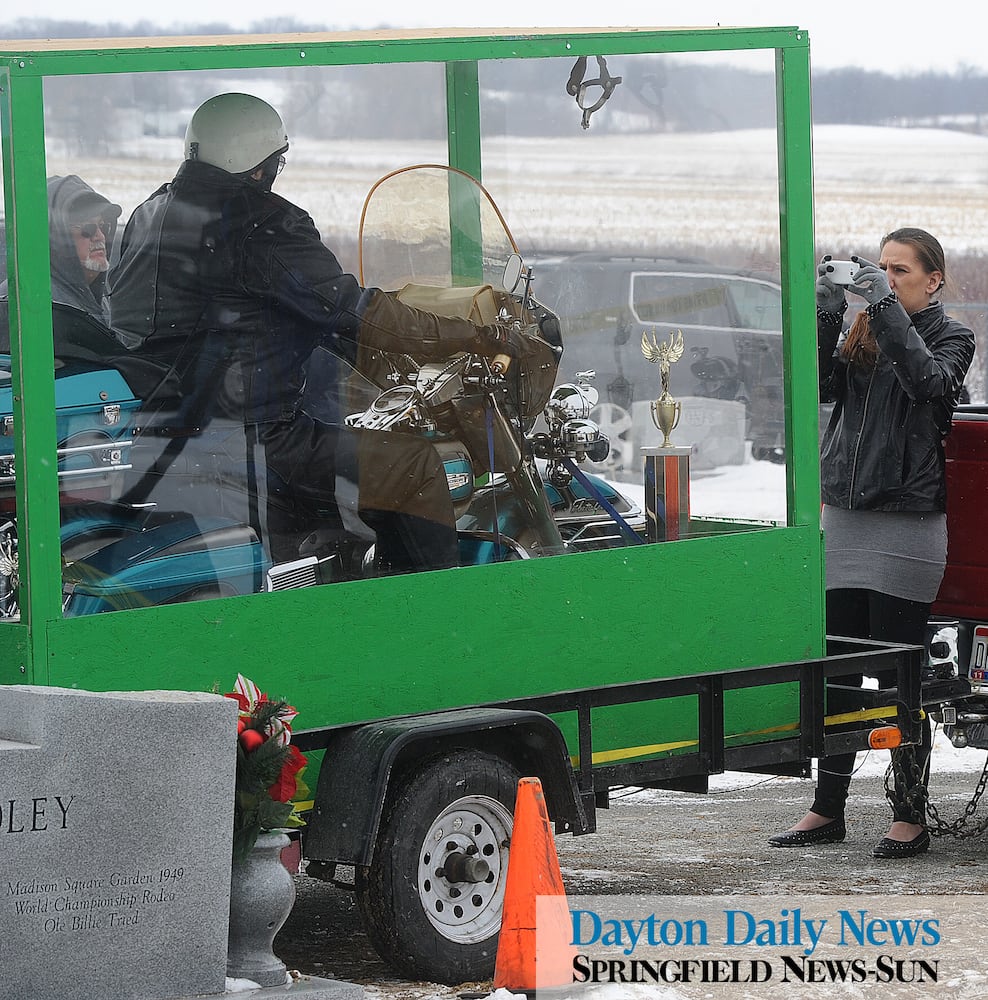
283 790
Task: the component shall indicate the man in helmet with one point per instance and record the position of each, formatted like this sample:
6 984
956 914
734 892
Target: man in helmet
231 286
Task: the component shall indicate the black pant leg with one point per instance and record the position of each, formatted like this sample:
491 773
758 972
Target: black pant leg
895 619
847 614
871 615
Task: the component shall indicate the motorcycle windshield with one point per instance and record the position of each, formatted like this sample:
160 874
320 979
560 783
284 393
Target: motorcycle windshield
432 225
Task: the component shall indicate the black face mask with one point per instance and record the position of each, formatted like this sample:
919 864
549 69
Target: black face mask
270 168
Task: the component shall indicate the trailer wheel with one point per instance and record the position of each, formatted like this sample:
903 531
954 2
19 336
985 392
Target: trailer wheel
432 898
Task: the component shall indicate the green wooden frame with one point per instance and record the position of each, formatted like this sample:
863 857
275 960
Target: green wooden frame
460 637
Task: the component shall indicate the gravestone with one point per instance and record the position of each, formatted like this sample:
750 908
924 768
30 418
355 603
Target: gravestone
714 428
116 817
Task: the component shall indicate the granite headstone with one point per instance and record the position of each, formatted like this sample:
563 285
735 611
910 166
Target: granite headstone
116 816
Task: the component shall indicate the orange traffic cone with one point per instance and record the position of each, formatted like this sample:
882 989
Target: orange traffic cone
533 896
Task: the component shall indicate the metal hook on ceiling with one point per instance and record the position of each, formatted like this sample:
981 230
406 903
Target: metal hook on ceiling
590 94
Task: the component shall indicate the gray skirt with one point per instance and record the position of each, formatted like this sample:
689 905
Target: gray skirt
902 554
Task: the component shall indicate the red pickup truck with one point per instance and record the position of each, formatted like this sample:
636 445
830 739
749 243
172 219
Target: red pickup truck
963 596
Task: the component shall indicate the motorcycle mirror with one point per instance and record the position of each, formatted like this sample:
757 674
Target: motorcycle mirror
512 272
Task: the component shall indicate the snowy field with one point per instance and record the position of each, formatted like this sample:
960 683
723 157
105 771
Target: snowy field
716 190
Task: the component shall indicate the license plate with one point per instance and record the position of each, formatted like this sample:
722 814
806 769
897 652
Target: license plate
979 657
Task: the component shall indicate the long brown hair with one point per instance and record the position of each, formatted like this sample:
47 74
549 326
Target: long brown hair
860 346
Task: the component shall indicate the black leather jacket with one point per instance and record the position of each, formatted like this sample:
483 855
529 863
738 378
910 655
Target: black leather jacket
232 286
883 447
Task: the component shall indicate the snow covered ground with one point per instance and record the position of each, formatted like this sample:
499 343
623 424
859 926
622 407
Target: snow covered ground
751 491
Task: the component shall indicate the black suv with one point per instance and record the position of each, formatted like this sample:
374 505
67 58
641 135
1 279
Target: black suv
729 379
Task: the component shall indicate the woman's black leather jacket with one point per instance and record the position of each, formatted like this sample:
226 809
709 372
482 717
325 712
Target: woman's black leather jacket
883 447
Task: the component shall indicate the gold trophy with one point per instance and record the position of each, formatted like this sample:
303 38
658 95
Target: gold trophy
666 411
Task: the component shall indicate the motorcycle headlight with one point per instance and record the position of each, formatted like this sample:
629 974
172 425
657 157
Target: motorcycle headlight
578 435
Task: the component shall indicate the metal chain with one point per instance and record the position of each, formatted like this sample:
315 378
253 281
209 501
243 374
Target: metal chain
906 791
915 797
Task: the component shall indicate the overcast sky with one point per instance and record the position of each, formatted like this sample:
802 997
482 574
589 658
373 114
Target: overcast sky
908 35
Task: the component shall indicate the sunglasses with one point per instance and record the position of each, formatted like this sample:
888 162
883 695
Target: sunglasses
90 229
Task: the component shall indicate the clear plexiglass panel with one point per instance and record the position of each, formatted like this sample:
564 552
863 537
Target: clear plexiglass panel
254 391
662 216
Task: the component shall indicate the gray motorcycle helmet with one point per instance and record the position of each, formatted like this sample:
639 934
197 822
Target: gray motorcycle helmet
236 132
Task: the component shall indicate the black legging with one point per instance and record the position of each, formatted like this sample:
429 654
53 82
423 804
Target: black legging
866 614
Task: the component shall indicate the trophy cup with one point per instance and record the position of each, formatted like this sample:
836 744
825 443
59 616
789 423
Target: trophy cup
666 411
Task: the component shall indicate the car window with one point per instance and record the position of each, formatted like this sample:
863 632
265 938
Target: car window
711 300
757 303
681 299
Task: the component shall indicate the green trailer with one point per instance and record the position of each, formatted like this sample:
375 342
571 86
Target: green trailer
422 698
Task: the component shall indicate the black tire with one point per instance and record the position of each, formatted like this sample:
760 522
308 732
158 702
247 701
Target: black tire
429 923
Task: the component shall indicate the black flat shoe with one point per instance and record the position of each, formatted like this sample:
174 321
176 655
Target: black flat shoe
830 833
903 848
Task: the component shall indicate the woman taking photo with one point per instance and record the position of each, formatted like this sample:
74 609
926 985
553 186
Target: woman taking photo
894 379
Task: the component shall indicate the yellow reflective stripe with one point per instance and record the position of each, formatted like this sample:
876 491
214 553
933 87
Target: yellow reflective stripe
862 715
608 756
626 753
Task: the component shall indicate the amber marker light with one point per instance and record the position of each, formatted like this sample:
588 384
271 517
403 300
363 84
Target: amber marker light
886 738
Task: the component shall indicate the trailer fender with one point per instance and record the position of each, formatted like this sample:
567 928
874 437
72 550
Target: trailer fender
362 763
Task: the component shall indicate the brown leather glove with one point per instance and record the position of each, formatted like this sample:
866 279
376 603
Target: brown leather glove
497 339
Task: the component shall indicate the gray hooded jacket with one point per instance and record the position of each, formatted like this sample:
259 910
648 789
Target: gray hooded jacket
72 201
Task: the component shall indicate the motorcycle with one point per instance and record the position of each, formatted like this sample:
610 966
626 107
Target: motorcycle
150 519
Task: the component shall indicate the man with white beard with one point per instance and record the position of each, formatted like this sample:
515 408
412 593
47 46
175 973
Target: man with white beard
81 224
